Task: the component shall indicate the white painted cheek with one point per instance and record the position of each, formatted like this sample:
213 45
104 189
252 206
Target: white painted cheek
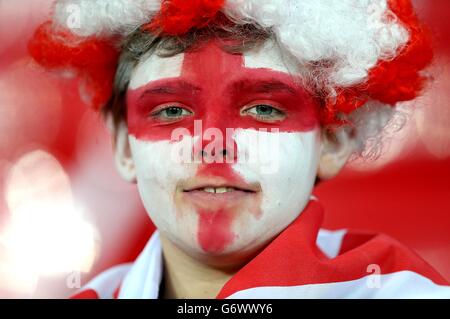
287 163
153 68
158 174
286 169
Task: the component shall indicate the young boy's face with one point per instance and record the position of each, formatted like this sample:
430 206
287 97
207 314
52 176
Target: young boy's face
246 165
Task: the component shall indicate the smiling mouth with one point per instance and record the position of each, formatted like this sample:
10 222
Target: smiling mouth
213 195
216 193
219 193
223 189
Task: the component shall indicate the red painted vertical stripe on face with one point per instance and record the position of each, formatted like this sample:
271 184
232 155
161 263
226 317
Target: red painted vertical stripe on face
215 231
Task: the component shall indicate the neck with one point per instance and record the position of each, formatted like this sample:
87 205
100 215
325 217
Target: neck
188 278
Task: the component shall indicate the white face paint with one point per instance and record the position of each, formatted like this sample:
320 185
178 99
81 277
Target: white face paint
270 189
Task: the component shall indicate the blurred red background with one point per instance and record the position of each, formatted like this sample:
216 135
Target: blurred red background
54 150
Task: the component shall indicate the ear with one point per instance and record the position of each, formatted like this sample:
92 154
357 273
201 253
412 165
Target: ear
336 150
122 151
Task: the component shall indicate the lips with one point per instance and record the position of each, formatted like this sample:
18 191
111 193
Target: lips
213 194
220 188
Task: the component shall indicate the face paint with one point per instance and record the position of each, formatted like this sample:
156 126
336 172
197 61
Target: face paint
215 85
214 230
222 212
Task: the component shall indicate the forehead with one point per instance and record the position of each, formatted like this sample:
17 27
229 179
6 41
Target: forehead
209 63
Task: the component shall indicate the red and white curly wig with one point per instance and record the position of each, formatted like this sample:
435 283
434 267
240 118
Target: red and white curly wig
377 48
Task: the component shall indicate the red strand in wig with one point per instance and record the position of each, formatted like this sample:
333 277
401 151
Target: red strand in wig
177 17
400 79
93 60
390 81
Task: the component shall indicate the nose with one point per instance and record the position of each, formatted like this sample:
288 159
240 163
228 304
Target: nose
218 154
219 151
215 144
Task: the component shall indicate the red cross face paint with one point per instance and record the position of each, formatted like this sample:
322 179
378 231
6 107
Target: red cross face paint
224 202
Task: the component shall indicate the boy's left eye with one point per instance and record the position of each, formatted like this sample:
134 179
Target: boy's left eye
264 112
174 111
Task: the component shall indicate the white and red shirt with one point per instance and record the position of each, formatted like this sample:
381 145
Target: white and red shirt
304 261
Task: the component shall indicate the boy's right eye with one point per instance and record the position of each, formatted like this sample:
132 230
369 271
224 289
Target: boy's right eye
170 113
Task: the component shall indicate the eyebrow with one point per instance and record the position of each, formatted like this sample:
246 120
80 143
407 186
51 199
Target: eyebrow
243 85
263 86
170 88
